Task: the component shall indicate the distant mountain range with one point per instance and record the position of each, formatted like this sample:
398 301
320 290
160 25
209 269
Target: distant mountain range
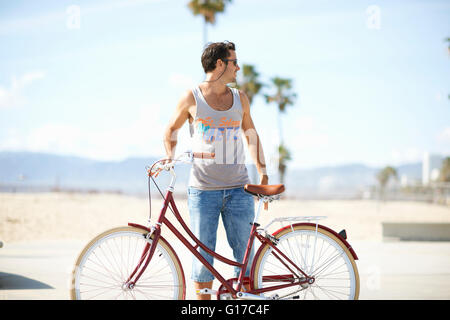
28 171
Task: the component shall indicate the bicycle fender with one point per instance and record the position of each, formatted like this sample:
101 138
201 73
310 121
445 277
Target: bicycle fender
135 225
349 247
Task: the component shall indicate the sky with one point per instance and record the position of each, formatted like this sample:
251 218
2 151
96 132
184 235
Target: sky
101 78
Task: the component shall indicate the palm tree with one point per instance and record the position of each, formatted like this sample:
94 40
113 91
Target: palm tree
283 97
383 176
208 9
250 83
283 157
444 175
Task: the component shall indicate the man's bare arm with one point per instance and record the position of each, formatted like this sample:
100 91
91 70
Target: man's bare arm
254 144
176 122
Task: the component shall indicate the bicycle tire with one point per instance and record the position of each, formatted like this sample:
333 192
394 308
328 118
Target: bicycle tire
328 249
104 265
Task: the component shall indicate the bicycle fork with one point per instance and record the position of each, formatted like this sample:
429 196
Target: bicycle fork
149 250
146 256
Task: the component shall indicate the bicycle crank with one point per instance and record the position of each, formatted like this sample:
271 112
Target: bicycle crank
250 296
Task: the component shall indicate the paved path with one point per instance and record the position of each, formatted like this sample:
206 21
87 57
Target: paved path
388 270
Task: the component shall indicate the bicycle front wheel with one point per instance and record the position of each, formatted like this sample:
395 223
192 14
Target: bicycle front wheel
319 254
105 264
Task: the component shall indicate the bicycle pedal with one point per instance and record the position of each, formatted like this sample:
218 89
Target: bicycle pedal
205 291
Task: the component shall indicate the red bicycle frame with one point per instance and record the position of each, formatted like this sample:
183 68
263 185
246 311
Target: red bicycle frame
150 248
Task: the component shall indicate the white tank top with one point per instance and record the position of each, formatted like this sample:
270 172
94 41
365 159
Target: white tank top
219 132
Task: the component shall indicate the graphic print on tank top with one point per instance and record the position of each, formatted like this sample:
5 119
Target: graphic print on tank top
218 132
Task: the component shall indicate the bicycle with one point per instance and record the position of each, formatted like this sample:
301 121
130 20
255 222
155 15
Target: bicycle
301 260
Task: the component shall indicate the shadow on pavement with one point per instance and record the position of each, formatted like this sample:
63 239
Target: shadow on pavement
9 281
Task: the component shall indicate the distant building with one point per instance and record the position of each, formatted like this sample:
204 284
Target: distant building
404 181
431 166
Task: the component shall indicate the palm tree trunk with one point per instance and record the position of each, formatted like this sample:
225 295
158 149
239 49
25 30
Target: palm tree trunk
281 141
280 128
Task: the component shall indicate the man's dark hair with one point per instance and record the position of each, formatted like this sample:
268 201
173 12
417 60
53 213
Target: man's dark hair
215 51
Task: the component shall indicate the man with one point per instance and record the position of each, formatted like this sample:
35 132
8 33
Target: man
217 116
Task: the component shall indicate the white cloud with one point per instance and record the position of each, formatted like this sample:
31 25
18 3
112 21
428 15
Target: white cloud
55 137
38 21
11 97
407 155
307 133
142 137
8 98
444 135
181 81
28 78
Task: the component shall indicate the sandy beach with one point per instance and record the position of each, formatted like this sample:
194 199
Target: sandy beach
52 216
44 232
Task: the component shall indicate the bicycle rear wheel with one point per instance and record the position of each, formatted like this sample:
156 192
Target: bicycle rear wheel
319 254
105 264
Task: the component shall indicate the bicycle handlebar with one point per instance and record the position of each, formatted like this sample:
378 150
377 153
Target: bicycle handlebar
204 155
157 167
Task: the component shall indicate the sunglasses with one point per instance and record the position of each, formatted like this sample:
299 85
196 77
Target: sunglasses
235 62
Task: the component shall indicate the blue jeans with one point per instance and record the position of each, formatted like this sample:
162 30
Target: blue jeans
237 208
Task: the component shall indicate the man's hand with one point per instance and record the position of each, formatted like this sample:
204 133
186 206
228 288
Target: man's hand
154 172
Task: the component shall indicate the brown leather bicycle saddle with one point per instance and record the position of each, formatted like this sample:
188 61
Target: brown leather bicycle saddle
265 190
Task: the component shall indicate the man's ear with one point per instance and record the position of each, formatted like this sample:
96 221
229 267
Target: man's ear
219 63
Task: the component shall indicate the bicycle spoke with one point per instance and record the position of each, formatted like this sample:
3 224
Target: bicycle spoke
319 275
96 271
111 273
104 290
321 257
331 293
107 259
327 263
109 262
97 280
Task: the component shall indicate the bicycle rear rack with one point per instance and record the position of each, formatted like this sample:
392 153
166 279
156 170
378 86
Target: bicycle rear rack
295 219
